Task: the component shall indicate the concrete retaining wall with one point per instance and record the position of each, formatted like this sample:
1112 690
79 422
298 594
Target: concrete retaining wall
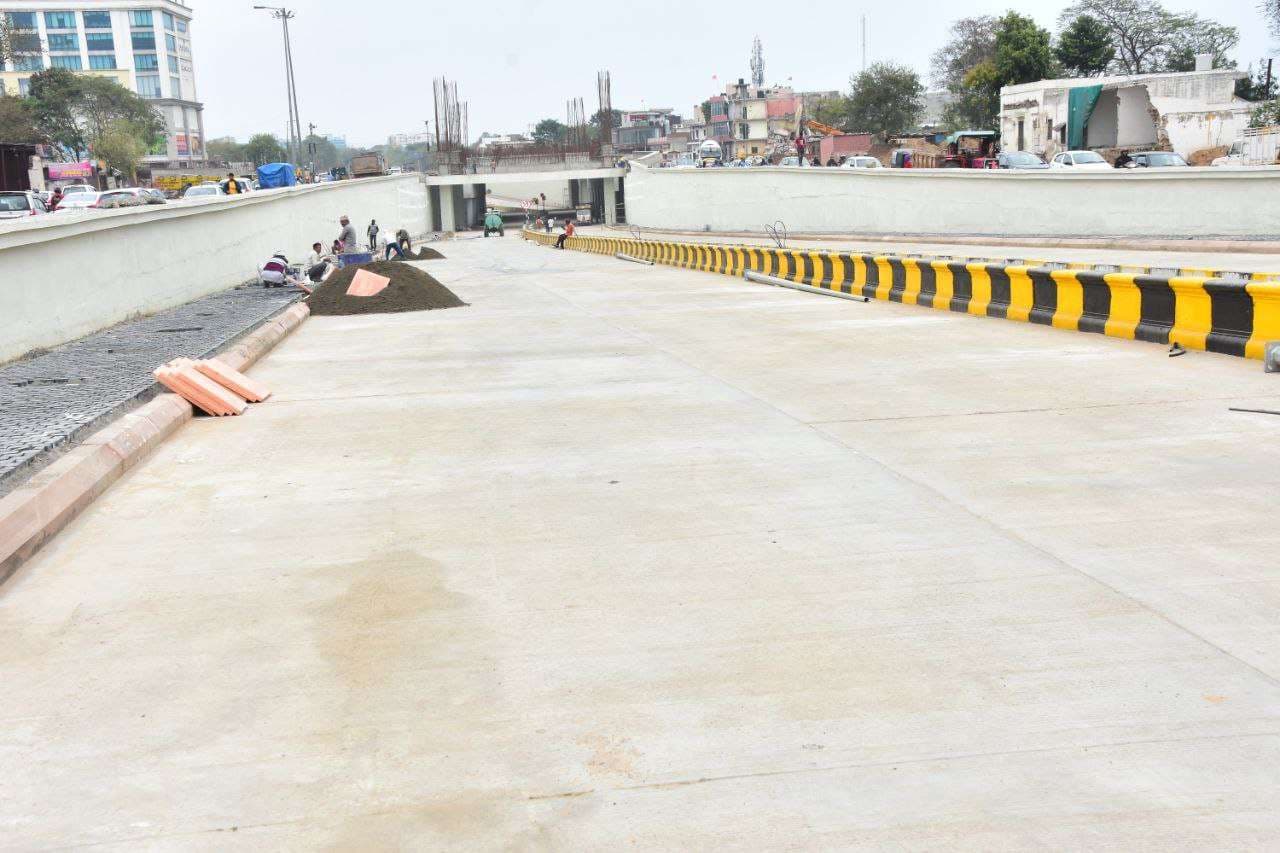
1135 203
67 275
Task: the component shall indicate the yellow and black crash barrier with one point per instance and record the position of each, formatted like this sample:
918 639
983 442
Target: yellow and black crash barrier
1230 316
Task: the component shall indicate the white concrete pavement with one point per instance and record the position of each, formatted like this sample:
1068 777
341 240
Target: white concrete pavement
638 556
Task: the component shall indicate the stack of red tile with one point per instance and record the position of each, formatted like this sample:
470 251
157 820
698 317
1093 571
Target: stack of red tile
211 386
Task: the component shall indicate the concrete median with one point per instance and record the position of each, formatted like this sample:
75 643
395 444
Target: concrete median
1225 316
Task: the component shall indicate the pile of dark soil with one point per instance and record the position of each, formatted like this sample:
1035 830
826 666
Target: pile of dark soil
425 253
410 290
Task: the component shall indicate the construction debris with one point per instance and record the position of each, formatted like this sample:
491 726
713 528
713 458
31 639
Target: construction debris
408 289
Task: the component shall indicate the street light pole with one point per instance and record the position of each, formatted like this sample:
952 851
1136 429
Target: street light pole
291 93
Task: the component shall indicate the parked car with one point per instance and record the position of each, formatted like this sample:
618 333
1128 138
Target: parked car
790 162
1087 160
1019 160
1154 160
203 191
861 161
15 204
72 189
108 200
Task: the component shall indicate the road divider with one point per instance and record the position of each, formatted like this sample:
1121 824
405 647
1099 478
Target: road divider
1226 316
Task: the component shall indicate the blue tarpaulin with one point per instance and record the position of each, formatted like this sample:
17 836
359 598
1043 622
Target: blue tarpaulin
276 175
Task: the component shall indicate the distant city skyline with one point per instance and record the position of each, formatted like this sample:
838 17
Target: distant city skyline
508 68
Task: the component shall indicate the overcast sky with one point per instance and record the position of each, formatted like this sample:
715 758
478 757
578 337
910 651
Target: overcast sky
364 70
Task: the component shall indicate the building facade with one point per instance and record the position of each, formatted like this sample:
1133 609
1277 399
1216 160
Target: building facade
403 140
644 130
1184 111
144 45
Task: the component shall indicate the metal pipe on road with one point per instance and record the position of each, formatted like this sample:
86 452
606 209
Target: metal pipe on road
622 256
752 275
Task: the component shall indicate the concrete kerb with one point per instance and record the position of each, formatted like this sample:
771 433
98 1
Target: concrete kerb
34 512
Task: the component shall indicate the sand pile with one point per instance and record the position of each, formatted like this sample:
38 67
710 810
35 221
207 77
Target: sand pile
425 253
410 290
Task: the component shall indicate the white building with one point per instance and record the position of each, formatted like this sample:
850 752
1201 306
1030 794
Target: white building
402 140
1183 111
144 45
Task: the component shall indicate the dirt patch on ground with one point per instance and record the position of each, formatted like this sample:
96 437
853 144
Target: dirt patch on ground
1206 156
410 290
426 253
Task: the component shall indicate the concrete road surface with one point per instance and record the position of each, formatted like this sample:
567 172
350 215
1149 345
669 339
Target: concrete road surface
623 557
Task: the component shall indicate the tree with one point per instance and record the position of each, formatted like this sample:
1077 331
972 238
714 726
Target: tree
17 121
1192 35
1271 12
597 117
833 111
1265 114
1024 51
225 149
885 99
1258 86
549 132
326 156
263 148
971 42
1084 47
122 147
977 104
75 111
1148 37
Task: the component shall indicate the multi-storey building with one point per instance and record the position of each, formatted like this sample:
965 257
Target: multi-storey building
403 140
639 130
144 45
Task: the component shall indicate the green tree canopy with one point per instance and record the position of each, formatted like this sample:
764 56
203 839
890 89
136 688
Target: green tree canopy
832 110
226 149
549 132
17 120
970 42
885 99
75 111
1024 51
1084 48
263 148
122 147
326 156
977 104
1147 37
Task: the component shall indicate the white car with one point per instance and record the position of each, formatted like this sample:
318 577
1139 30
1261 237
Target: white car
72 189
790 162
108 200
861 162
203 191
18 204
1087 160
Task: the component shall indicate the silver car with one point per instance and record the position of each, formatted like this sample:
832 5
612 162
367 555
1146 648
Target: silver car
17 204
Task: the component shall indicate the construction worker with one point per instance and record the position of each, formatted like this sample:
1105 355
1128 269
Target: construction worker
373 235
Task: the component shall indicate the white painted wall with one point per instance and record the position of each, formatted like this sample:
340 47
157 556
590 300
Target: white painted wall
1129 202
1134 125
66 275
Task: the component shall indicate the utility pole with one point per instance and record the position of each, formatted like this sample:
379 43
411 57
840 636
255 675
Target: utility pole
864 42
311 149
291 93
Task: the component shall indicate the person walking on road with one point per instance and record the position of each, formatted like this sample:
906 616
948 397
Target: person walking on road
373 235
232 185
551 224
350 242
568 232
